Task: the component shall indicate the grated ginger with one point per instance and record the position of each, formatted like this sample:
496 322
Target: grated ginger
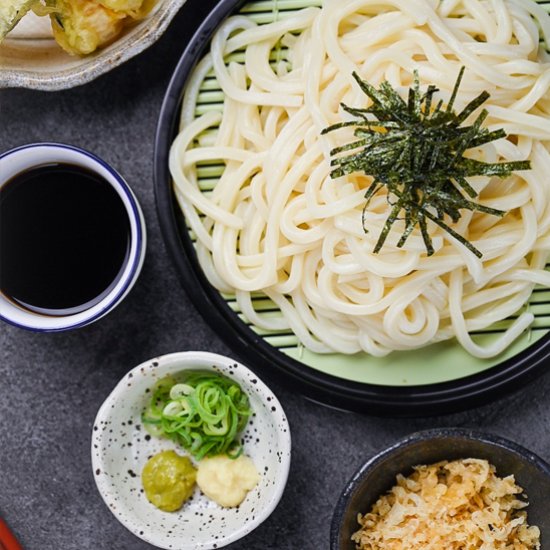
459 505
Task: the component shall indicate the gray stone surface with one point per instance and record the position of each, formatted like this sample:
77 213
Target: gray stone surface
51 385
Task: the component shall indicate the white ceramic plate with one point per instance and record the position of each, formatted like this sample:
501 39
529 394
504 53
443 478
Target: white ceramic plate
121 447
31 58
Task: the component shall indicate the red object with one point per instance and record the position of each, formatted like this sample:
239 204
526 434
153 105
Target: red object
7 538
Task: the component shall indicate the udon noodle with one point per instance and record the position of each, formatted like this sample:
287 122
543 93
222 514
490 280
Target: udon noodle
278 224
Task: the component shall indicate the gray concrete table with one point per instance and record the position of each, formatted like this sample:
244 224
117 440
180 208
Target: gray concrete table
51 385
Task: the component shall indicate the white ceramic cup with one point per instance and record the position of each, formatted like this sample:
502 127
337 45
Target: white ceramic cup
30 156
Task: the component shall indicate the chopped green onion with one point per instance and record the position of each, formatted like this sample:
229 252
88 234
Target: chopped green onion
179 390
204 412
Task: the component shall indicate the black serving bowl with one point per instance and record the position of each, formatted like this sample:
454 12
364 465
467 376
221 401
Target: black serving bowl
378 474
267 360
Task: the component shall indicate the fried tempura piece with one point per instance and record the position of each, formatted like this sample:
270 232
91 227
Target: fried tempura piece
81 26
133 8
126 6
11 11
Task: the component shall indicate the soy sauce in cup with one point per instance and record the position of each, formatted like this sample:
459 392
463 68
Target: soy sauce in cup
72 237
64 238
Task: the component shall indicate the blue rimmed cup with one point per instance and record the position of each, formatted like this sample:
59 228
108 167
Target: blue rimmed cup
27 157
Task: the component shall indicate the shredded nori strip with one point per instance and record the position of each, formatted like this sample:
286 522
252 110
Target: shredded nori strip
417 151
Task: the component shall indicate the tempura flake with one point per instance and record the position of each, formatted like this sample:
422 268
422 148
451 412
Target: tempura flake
454 505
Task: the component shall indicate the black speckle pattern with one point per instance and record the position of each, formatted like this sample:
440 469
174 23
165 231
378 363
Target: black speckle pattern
120 449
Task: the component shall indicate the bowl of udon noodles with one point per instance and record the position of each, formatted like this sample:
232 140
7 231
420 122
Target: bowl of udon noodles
356 194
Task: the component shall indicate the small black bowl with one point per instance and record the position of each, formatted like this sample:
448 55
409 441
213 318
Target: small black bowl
377 475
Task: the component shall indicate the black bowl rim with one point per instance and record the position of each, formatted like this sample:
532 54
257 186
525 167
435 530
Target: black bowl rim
403 401
425 435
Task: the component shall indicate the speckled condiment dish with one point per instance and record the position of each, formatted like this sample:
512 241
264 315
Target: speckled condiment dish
121 447
378 474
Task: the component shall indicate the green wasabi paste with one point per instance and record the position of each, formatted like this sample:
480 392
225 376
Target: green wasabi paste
168 480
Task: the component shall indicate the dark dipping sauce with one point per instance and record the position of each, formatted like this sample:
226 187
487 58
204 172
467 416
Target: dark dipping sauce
64 239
